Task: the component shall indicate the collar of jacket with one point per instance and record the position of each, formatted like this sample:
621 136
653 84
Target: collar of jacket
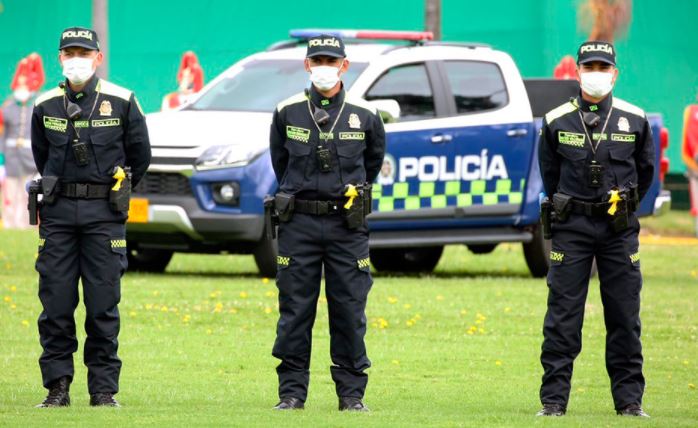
320 101
89 89
601 107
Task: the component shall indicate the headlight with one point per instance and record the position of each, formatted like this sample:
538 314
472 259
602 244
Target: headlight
226 156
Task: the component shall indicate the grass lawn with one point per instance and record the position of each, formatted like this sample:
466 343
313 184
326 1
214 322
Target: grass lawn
456 348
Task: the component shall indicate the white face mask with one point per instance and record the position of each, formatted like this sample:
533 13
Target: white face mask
324 77
598 84
22 95
78 70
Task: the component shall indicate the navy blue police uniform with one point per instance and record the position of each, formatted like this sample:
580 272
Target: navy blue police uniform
588 153
81 237
317 235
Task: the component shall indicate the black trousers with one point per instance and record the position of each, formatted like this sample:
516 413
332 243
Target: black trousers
81 240
574 245
307 244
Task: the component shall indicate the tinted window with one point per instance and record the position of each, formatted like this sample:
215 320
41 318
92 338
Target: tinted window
409 86
262 84
476 86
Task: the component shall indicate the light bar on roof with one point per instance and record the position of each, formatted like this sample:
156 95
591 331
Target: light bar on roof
414 36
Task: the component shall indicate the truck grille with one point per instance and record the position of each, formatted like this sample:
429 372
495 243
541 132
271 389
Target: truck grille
164 183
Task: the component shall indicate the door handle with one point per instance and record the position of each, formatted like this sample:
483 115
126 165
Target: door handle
441 138
519 132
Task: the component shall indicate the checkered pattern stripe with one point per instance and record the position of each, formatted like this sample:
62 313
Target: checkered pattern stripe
42 242
634 258
283 261
118 243
364 263
443 194
556 257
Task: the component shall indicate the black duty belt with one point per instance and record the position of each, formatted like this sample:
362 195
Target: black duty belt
85 190
317 207
590 209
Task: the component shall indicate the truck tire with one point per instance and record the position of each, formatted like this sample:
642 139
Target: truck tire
265 257
482 248
537 254
148 260
408 260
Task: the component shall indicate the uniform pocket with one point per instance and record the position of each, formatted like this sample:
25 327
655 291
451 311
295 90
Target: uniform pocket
573 170
108 149
40 264
351 161
57 147
120 264
623 163
298 155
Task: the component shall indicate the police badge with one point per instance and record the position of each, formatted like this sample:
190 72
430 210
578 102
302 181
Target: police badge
105 108
623 124
354 121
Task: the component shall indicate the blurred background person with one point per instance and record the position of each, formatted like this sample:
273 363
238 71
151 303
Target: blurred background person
15 142
689 154
190 78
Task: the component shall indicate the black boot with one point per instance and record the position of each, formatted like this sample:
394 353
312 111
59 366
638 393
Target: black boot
290 403
552 410
58 393
352 404
632 410
103 399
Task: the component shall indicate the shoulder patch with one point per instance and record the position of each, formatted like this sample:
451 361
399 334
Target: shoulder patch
560 111
360 102
53 93
108 88
294 99
627 107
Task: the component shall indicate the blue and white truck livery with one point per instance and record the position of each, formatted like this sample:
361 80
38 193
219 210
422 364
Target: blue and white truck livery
460 168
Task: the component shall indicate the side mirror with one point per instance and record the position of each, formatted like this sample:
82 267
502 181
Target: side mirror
388 109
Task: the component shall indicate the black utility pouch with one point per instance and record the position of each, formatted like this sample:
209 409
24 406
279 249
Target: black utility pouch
354 215
368 199
621 219
546 217
563 206
285 205
81 152
271 219
120 193
49 187
33 201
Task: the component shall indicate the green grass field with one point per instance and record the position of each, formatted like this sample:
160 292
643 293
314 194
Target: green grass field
456 348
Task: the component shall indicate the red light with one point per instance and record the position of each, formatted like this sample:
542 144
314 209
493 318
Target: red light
663 138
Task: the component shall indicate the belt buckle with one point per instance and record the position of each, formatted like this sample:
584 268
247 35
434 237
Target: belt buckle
80 190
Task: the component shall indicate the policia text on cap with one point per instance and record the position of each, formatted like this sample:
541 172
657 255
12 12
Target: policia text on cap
90 144
597 161
325 147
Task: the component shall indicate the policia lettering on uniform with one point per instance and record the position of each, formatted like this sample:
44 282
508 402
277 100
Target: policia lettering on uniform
596 157
326 149
90 144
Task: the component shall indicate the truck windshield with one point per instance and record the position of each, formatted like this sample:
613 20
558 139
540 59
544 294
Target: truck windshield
261 85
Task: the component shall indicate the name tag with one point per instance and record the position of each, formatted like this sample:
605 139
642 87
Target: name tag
55 123
298 134
82 124
101 123
571 139
623 138
352 136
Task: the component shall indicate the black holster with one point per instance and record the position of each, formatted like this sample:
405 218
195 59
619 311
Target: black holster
562 205
627 205
33 205
120 198
271 218
546 217
284 205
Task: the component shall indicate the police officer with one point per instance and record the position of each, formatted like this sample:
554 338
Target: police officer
597 162
85 134
325 148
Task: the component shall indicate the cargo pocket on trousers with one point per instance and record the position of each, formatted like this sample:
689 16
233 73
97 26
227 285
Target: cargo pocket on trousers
118 248
40 264
635 259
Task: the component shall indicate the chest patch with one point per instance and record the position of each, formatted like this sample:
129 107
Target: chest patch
354 121
55 123
571 138
101 123
298 134
623 138
352 136
105 108
623 124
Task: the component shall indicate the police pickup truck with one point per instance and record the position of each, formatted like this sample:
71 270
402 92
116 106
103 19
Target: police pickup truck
460 164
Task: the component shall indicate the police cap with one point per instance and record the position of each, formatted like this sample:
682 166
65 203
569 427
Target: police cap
596 51
79 36
327 45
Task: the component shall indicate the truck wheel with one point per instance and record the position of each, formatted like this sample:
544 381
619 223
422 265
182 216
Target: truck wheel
537 252
423 259
265 257
482 248
148 260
